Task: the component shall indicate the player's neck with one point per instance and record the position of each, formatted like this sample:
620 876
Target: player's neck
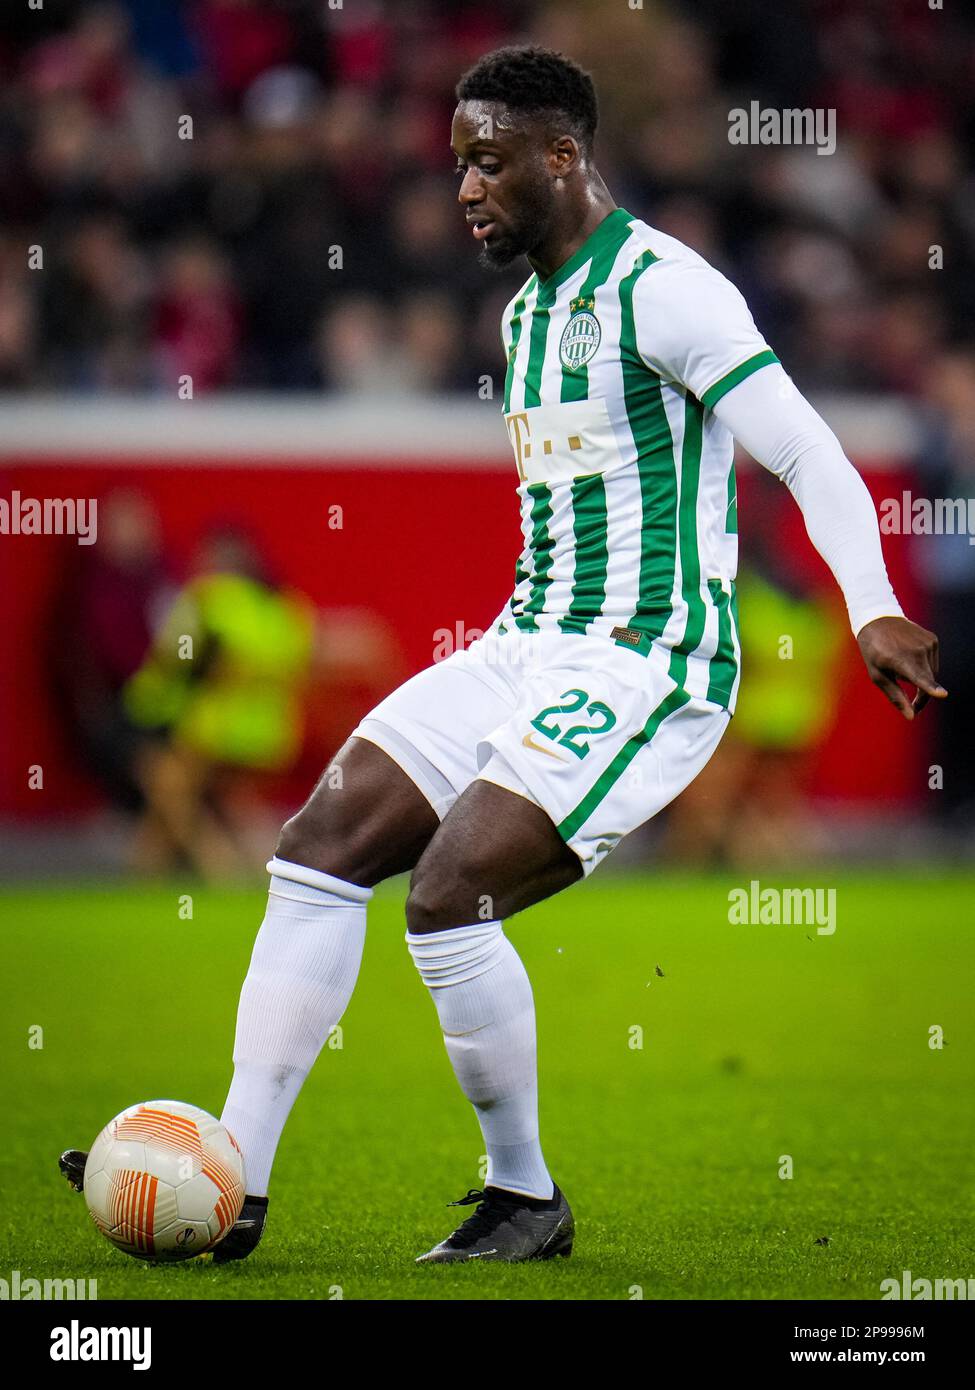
592 207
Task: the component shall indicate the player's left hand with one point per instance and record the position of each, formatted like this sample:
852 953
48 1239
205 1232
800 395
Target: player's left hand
895 649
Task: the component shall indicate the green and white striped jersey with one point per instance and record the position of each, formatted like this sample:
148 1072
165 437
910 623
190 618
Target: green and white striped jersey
626 478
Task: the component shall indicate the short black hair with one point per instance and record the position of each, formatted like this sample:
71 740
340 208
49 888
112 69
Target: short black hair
537 81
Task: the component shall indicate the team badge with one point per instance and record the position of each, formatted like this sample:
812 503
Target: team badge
581 335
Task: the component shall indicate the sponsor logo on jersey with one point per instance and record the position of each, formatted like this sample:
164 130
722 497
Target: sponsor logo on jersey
581 335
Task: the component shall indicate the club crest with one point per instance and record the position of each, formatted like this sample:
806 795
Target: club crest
581 335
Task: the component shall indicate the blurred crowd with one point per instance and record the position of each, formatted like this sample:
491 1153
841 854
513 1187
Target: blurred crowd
259 193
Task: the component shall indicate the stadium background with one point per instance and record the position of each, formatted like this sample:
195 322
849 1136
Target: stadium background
344 429
213 258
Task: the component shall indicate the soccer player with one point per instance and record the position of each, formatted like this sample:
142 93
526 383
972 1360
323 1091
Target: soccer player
511 769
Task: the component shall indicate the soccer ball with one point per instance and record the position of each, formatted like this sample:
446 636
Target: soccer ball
164 1181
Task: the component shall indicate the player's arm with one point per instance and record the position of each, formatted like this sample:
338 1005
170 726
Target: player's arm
694 327
779 428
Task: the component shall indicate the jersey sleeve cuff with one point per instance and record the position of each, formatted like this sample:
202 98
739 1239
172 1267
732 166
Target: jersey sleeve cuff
721 388
862 614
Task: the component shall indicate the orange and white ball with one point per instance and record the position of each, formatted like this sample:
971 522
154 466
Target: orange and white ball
164 1181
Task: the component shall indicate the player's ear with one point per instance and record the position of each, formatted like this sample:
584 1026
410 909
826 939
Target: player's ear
563 156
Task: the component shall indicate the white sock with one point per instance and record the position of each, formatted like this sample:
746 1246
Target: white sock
302 973
487 1014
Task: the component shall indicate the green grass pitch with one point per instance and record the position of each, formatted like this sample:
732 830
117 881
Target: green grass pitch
758 1042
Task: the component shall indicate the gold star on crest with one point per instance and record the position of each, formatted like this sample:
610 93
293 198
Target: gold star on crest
577 305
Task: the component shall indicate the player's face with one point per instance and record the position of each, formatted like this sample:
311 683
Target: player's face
506 190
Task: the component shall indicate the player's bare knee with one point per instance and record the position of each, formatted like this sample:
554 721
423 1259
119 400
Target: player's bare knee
422 903
438 901
298 843
424 915
306 839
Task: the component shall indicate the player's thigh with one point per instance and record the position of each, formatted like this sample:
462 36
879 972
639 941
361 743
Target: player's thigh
379 803
495 854
364 821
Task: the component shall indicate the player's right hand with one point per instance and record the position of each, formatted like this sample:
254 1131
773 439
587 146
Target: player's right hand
895 649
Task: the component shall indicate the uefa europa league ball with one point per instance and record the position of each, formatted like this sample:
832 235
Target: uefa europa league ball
164 1181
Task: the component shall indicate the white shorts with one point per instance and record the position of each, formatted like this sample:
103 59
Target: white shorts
599 736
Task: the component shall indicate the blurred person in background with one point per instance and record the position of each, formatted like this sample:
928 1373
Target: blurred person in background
197 319
947 565
425 249
241 39
92 59
221 693
368 347
289 232
18 324
94 304
432 342
356 351
111 598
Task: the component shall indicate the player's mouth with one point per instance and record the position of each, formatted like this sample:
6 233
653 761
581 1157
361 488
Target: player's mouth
481 227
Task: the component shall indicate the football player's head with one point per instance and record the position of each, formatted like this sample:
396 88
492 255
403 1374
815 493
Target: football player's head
523 135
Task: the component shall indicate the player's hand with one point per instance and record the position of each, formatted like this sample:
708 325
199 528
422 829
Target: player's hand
896 649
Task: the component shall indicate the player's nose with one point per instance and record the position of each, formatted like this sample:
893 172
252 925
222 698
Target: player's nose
471 189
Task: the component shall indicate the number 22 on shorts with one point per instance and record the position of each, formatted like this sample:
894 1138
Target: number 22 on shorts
572 701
